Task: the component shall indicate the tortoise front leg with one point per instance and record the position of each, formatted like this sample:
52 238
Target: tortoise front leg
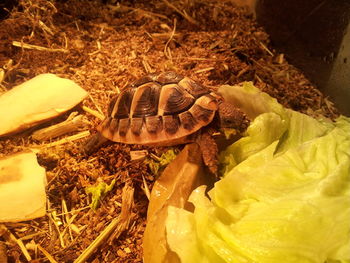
209 150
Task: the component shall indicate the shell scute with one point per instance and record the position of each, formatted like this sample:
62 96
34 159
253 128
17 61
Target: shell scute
113 125
193 87
136 126
171 124
123 104
154 124
168 77
174 99
201 113
123 127
187 120
145 101
145 79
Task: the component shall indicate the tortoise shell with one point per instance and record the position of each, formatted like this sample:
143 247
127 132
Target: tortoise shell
159 109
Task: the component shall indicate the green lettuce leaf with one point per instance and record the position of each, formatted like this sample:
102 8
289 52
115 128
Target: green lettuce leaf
284 197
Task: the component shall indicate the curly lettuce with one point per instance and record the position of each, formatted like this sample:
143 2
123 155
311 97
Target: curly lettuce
284 196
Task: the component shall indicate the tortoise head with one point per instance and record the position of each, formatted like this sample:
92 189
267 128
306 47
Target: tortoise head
231 116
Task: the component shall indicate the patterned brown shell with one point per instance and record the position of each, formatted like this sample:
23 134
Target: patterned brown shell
159 110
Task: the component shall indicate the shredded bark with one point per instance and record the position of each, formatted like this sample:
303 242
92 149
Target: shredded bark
103 47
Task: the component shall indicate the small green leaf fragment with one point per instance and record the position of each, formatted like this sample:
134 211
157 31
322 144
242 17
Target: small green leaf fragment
98 192
157 164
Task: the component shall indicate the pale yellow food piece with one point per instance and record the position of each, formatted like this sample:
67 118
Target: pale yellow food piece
37 100
22 188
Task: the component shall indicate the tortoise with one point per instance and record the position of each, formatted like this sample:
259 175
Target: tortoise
167 109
